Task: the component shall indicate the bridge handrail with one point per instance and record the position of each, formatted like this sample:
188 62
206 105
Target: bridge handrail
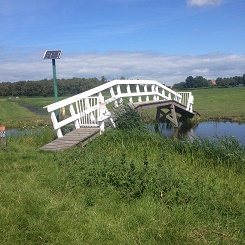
150 88
187 100
93 91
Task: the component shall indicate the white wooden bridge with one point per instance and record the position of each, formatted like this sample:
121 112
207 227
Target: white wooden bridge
88 111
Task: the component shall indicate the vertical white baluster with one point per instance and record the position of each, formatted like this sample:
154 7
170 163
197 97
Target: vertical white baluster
163 93
101 97
129 92
119 93
56 124
73 114
169 96
138 92
153 90
113 96
145 89
79 112
98 113
83 111
156 90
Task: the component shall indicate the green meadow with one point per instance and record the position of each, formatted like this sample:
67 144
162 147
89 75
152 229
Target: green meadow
220 103
127 186
12 115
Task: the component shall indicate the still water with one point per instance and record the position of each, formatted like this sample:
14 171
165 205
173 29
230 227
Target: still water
207 130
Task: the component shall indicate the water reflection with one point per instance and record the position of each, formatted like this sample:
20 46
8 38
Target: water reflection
202 130
207 130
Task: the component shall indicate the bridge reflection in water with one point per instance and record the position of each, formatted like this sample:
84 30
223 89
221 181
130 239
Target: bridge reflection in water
203 130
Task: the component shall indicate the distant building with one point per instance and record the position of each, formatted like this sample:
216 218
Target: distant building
214 82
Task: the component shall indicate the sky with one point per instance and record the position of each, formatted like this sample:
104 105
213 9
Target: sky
163 40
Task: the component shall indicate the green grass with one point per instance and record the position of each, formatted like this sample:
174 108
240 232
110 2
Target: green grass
12 115
36 101
125 187
220 103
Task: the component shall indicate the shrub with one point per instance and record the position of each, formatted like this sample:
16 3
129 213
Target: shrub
128 118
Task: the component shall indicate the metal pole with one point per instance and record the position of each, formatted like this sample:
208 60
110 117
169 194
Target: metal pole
55 88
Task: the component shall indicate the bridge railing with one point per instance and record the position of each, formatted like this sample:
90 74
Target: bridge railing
187 100
89 108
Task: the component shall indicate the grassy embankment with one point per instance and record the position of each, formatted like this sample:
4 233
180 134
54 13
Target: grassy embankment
125 187
220 104
12 115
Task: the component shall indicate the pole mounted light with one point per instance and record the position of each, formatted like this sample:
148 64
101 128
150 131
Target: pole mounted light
53 54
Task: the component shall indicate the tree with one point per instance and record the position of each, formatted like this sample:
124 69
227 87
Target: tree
200 81
219 81
243 79
103 79
179 86
238 80
17 88
5 89
189 82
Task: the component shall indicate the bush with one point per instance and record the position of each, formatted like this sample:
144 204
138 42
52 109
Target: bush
128 118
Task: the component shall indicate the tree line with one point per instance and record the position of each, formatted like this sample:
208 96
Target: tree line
75 85
200 82
45 87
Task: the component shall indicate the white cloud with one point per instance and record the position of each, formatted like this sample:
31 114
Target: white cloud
168 69
200 3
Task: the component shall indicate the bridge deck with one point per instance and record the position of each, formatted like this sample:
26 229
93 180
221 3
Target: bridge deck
179 108
81 135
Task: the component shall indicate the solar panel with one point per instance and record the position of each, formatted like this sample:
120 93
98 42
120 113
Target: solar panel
55 54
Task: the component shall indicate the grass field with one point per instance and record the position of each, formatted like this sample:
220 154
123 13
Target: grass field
12 115
123 188
220 103
36 101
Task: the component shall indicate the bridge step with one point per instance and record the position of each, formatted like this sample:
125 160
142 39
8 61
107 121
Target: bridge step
81 135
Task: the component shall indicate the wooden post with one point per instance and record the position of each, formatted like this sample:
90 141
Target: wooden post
171 115
174 117
160 115
3 136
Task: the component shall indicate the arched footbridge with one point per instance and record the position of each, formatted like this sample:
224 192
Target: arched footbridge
88 111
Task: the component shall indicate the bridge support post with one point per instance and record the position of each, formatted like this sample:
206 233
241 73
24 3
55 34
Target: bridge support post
160 115
173 117
170 115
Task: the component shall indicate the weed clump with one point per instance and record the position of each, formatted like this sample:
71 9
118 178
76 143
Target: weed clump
128 118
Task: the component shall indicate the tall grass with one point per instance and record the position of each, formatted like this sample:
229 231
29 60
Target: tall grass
128 118
126 187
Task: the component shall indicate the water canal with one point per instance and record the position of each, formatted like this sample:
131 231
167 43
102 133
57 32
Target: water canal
207 130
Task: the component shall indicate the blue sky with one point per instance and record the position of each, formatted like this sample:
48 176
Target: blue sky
166 40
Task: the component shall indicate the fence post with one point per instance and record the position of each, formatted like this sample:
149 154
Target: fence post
3 136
